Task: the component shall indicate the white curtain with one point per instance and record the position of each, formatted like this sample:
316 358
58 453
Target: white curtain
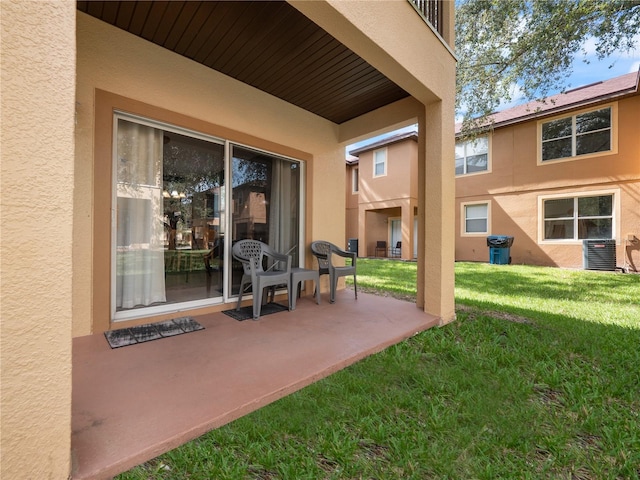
140 227
280 208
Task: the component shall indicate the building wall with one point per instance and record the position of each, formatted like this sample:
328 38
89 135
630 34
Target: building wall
516 182
381 35
397 183
121 71
382 198
36 187
52 290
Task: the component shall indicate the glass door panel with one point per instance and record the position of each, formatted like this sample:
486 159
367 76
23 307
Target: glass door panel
193 191
169 217
265 203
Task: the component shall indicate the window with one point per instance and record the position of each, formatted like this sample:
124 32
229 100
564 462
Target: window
581 134
578 218
472 156
354 179
380 163
476 218
270 211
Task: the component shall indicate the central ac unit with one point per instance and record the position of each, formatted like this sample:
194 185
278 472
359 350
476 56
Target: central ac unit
599 254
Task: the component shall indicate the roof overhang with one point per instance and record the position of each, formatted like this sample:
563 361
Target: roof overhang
266 44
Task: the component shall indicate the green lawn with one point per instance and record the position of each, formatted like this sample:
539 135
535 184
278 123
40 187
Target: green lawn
539 378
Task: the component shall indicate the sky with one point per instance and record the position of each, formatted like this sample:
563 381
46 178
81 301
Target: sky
583 73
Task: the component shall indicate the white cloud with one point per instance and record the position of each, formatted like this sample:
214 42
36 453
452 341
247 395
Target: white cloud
635 66
589 47
635 53
589 50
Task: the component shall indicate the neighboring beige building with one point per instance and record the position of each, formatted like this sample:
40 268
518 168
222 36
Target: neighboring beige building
135 128
543 192
382 197
553 174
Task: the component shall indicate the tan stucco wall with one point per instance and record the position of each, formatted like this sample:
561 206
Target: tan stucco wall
394 195
114 61
171 88
400 180
38 78
427 72
381 37
517 215
516 181
436 191
392 29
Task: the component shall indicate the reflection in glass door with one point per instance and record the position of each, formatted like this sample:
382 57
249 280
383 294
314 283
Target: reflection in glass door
169 217
172 227
193 191
265 203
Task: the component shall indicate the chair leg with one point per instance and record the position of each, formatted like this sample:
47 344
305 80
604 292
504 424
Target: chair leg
257 302
334 287
355 286
293 298
317 292
240 295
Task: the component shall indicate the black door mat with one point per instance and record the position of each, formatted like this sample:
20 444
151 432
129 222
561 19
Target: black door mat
151 331
246 313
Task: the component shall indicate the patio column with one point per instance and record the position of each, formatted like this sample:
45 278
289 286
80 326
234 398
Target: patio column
407 231
37 136
436 196
363 251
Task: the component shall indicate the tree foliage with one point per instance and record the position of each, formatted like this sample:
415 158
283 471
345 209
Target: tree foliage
531 44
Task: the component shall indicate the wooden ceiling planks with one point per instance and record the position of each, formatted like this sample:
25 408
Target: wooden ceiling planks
266 44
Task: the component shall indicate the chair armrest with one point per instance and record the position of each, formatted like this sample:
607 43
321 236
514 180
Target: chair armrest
280 257
345 254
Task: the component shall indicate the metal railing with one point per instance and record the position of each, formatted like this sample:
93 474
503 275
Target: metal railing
432 11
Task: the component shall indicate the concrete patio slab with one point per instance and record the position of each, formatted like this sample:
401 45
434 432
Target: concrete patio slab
134 403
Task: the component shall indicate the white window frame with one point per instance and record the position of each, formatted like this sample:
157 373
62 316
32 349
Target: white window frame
390 233
463 218
482 172
613 132
355 176
615 213
383 162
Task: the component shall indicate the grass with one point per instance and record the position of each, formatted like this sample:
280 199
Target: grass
537 378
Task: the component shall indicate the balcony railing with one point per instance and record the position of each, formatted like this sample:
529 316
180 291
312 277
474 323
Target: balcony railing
432 11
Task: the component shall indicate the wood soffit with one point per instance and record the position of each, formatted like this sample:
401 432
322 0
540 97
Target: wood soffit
266 44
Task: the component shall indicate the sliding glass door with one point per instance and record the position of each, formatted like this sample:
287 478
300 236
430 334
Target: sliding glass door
169 217
266 203
170 248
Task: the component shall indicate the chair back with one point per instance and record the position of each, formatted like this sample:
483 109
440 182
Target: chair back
399 244
322 251
249 252
381 244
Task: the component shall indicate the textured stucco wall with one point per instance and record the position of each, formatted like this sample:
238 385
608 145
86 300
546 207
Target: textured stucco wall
112 60
38 82
516 181
427 71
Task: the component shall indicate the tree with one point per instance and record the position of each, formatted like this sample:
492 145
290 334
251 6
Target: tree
531 44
